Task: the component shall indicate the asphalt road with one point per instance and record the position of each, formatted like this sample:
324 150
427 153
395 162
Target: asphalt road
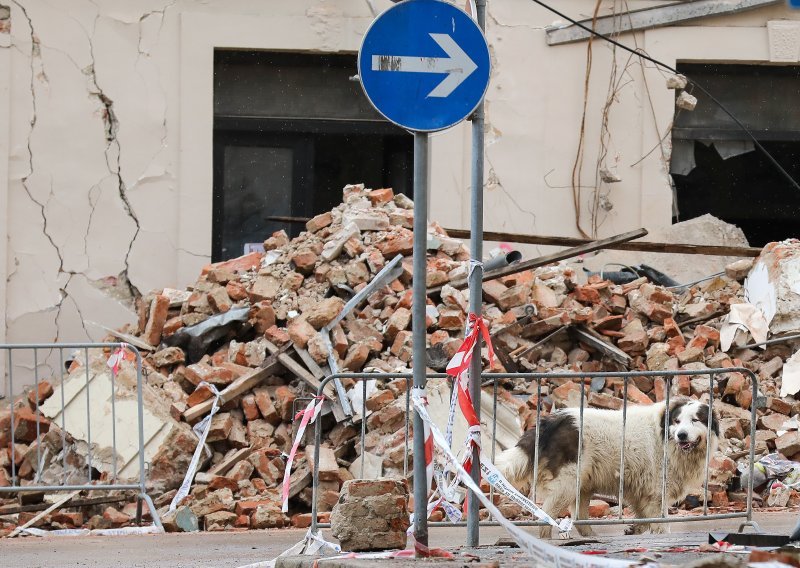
233 549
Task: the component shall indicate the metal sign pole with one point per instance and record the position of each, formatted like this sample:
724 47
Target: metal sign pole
476 290
418 328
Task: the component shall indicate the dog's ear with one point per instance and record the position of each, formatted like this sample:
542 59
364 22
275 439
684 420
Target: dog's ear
702 415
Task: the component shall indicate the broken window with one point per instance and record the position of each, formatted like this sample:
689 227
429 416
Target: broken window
716 168
290 130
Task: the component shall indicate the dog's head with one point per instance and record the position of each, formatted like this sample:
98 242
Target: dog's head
689 425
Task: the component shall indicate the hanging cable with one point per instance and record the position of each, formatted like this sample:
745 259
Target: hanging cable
699 87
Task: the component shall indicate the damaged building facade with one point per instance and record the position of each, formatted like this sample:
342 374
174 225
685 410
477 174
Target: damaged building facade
140 141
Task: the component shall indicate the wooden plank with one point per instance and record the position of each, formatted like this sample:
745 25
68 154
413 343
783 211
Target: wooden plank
315 369
591 246
671 248
286 360
14 509
226 464
58 504
237 387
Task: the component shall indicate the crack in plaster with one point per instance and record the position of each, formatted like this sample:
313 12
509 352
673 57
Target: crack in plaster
112 128
35 55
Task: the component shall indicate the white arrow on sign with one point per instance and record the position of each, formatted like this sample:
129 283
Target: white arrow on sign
457 65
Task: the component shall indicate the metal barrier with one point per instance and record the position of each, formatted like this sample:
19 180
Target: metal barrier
109 395
626 377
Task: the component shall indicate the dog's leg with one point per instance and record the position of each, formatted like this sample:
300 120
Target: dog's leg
583 513
554 504
649 509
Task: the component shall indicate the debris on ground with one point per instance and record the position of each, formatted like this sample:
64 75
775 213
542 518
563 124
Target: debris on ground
264 329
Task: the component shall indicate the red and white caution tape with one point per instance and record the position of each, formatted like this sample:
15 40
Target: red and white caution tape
546 555
201 429
115 361
497 480
307 416
459 369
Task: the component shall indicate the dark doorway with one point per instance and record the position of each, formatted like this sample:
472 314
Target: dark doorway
290 131
716 168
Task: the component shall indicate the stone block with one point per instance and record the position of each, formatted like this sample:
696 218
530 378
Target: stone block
371 515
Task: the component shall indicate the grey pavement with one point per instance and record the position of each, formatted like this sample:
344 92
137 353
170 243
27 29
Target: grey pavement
233 549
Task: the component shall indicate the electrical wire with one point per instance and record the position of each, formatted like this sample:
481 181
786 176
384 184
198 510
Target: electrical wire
699 87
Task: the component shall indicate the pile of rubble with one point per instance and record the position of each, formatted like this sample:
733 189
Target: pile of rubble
264 329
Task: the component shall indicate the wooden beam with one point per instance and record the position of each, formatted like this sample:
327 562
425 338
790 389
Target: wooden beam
14 509
286 360
57 505
591 246
648 18
672 248
241 385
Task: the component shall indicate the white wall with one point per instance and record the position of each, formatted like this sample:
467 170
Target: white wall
92 204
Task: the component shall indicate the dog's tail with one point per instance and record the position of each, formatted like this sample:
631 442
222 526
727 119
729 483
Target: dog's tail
515 465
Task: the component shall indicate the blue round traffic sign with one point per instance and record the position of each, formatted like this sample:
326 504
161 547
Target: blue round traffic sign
424 65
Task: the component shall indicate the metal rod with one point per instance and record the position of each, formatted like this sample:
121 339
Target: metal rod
476 290
64 452
580 451
708 439
363 424
418 330
38 412
114 425
621 502
140 404
666 437
90 487
534 483
13 436
88 415
408 416
754 381
494 434
315 469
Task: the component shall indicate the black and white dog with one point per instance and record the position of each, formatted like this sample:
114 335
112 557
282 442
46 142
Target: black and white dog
600 458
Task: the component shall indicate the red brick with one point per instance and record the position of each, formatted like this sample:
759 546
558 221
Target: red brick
277 335
249 407
300 331
25 425
41 394
284 399
248 507
637 396
379 196
399 241
598 508
201 394
221 482
301 520
241 471
158 317
587 295
777 405
241 264
219 300
236 291
319 222
304 261
602 400
266 407
262 315
171 326
357 355
710 334
242 522
199 372
116 518
380 399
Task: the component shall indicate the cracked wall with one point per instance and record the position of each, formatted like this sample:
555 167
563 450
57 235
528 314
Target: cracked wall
106 138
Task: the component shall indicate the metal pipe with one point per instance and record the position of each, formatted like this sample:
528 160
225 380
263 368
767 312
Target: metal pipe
576 516
666 438
476 289
708 439
418 326
89 416
621 500
62 372
363 423
503 260
13 452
